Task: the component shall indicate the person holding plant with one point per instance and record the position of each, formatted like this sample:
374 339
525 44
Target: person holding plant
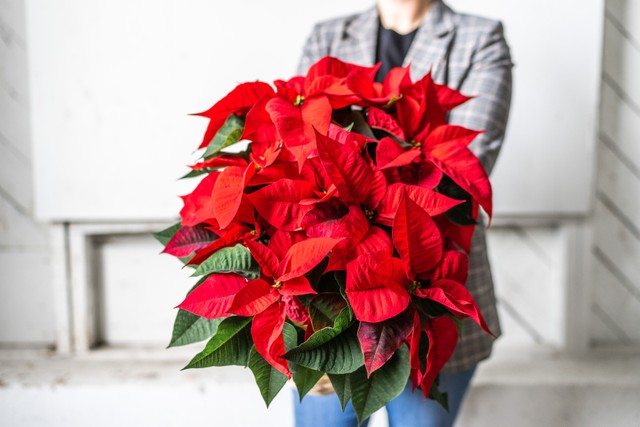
469 54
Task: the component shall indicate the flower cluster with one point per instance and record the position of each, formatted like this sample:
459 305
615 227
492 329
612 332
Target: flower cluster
337 241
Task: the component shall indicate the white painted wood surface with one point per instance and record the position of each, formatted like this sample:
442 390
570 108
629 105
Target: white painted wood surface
61 288
526 264
139 289
26 311
619 121
615 264
614 307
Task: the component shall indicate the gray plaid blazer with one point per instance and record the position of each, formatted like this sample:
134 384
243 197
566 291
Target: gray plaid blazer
470 54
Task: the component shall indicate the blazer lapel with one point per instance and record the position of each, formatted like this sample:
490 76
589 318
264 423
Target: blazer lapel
430 47
359 45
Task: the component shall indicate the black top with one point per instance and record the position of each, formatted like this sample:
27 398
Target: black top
391 49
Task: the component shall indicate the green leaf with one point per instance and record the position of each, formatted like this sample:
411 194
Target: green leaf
342 386
290 336
165 235
353 121
380 133
438 396
195 173
370 394
187 328
333 350
269 380
228 134
229 346
324 308
236 259
190 328
304 378
341 279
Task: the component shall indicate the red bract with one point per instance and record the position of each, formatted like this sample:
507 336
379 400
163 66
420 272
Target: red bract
443 336
238 101
416 238
280 203
346 219
379 93
330 76
188 240
229 237
213 297
198 206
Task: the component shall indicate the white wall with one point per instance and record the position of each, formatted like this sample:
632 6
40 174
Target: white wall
113 82
26 312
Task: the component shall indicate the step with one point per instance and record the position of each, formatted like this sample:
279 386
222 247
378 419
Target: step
532 387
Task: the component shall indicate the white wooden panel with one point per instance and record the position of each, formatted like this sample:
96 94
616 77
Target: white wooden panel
616 241
514 334
139 289
26 310
14 78
15 175
113 81
620 123
622 62
18 231
600 332
527 272
13 15
14 125
616 287
614 299
619 184
627 13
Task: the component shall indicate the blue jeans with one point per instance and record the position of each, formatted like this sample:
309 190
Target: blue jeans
407 410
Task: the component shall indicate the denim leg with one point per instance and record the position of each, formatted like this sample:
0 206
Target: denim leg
323 411
413 410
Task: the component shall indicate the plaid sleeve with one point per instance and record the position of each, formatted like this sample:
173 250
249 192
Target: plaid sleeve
489 80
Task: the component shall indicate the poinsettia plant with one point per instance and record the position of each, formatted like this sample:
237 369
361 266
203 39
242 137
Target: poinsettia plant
335 241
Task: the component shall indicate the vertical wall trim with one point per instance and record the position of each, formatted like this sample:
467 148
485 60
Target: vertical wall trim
61 287
83 335
577 279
